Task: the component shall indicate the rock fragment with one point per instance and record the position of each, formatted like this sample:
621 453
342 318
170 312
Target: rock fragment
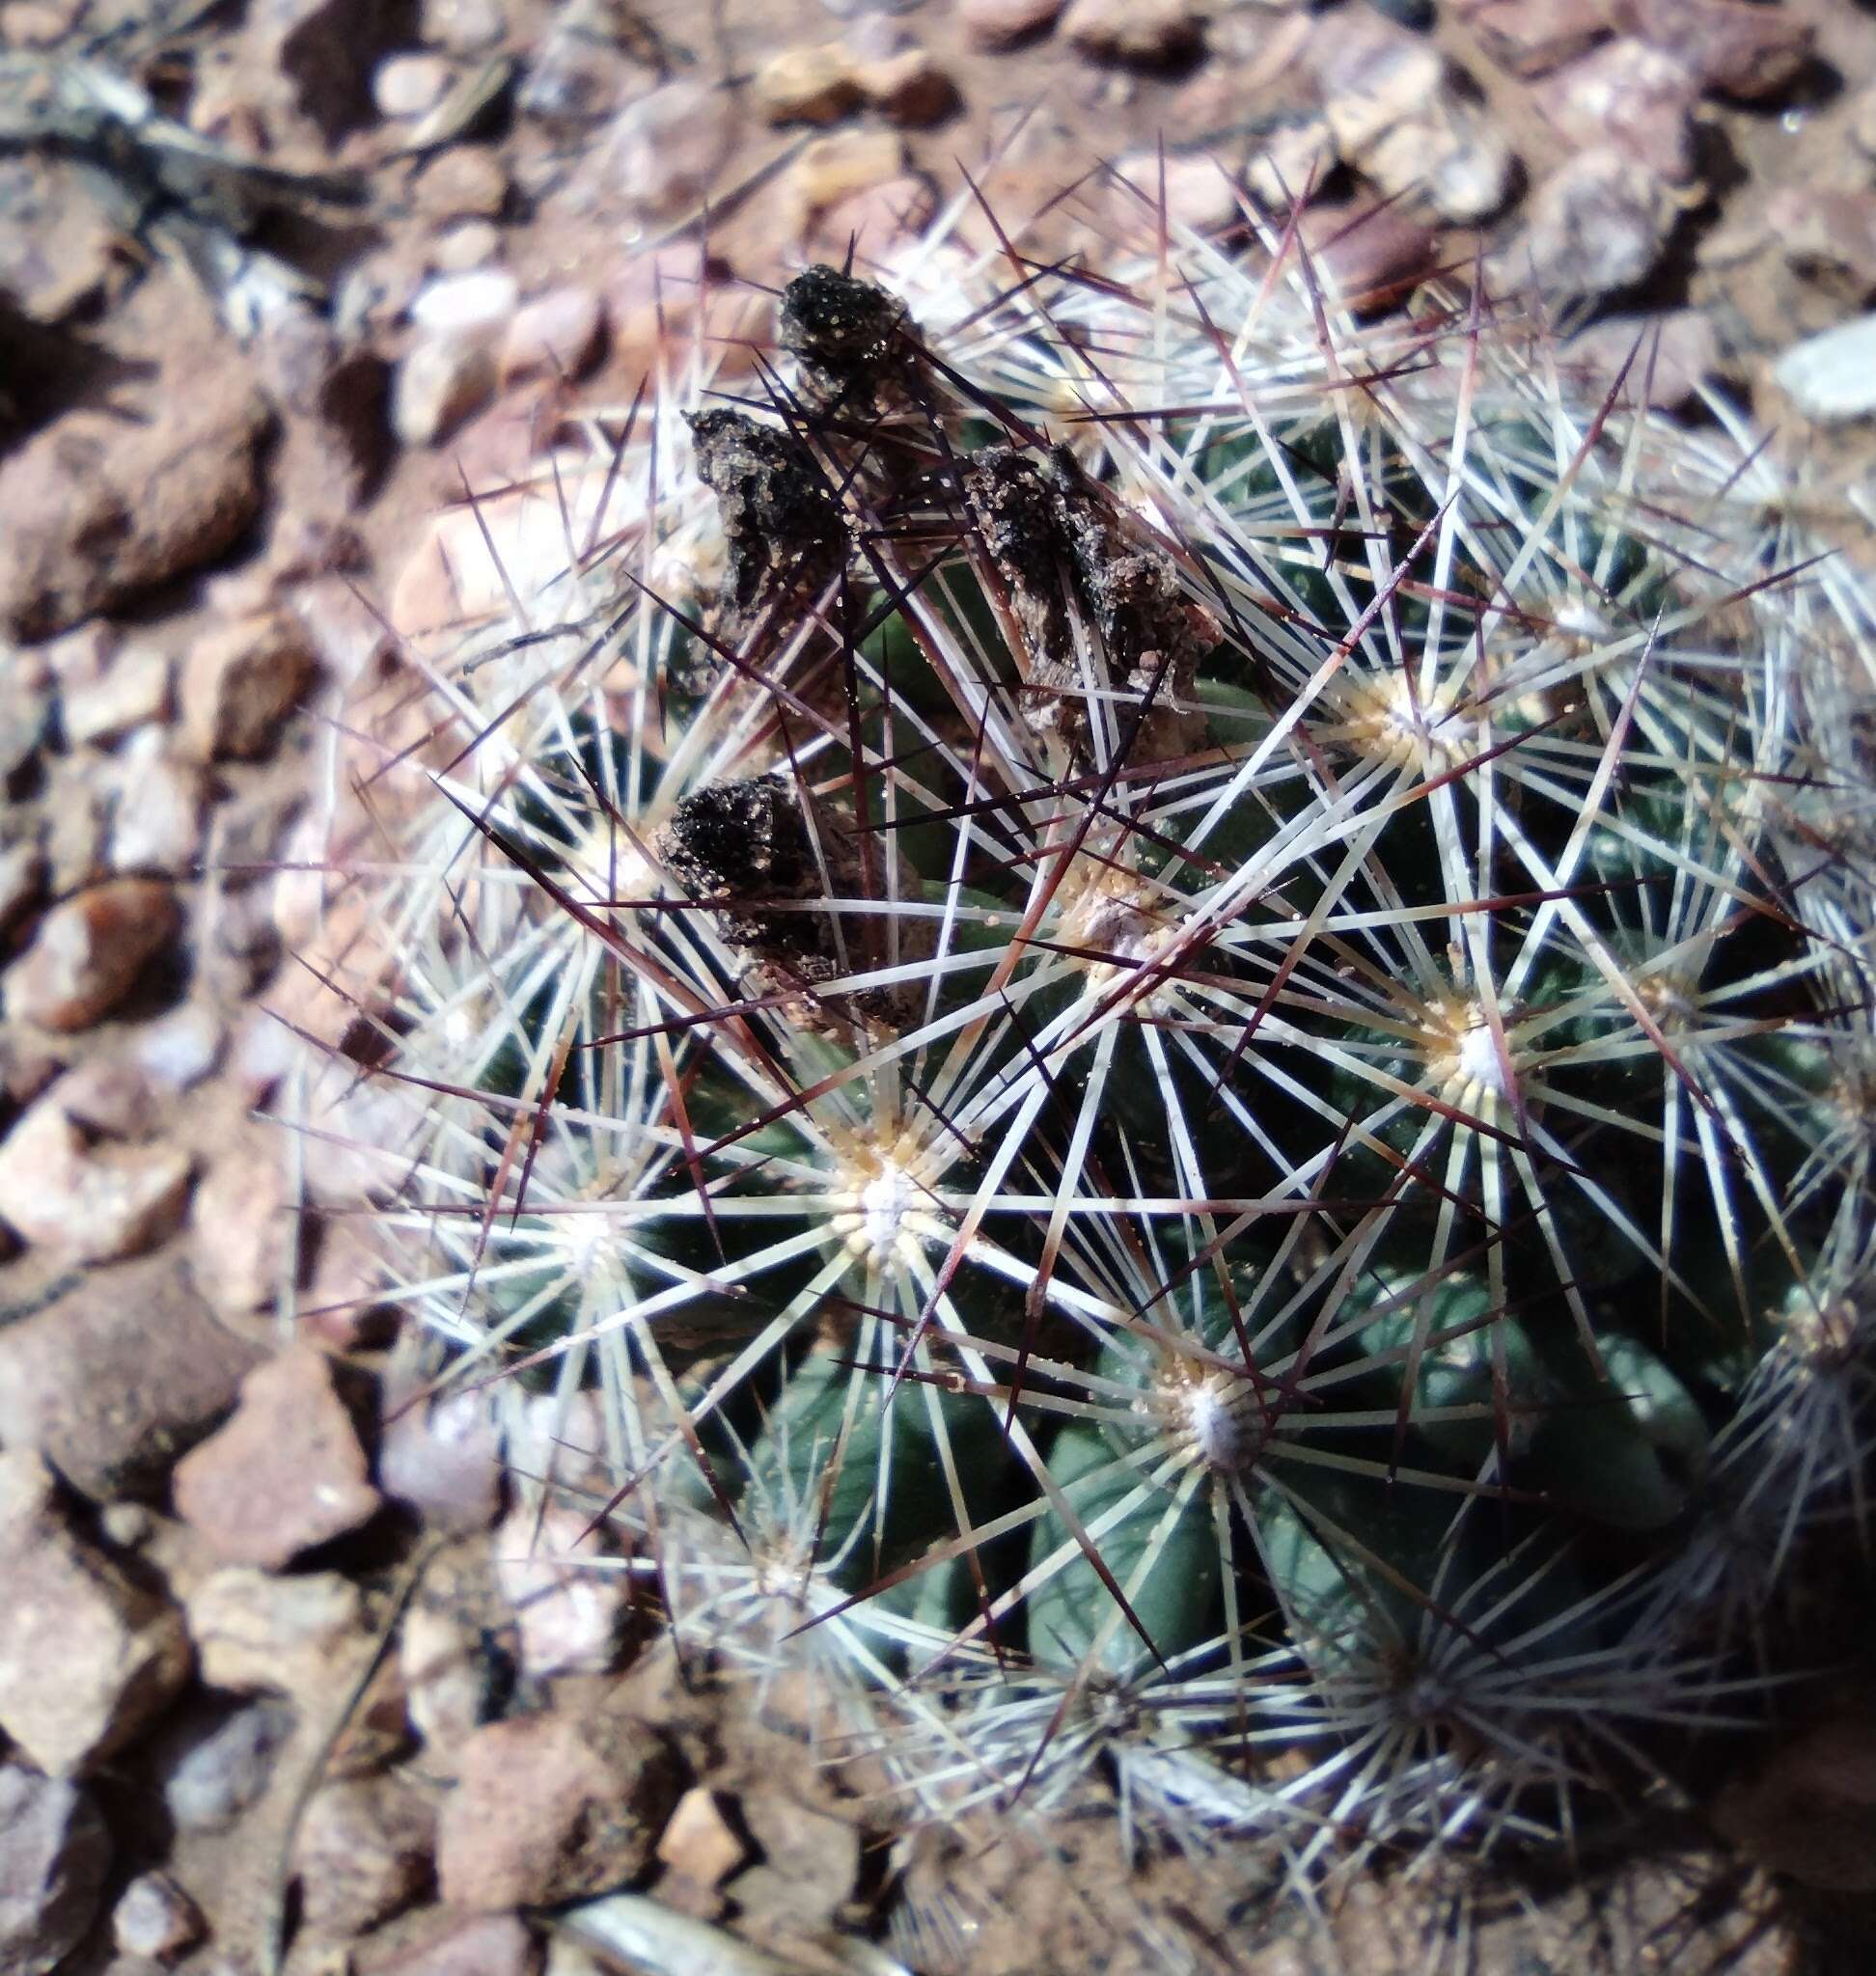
809 1864
1811 1811
556 335
1745 51
483 1945
1001 23
1832 376
89 952
216 1759
240 683
155 1920
442 1458
812 83
545 1810
55 1853
92 1198
118 1377
441 383
1533 37
99 508
1151 33
134 688
569 1601
156 816
1639 99
256 1632
285 1473
1595 225
698 1842
1828 232
663 154
87 1658
362 1854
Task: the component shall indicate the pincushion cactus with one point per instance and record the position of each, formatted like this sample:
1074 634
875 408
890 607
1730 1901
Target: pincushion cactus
1154 987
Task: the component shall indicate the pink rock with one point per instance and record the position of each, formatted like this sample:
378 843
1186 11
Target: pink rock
362 1854
89 952
563 1584
1631 96
545 1810
243 1232
1661 359
95 1200
285 1473
240 683
556 335
1745 51
118 1377
88 1658
485 1945
998 24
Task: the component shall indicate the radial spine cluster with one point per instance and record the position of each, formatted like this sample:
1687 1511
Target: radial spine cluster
1172 995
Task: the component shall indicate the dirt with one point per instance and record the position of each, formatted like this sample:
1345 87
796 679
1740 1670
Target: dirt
101 321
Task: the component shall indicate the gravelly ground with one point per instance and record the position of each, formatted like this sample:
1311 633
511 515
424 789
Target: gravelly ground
192 518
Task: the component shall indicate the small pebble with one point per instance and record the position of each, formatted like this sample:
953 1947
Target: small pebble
809 84
214 1763
442 382
408 85
556 335
477 304
1832 376
241 682
287 1472
1148 32
155 1919
1001 23
135 688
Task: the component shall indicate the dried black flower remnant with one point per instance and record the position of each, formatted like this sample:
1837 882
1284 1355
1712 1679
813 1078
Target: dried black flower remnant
748 848
1077 569
847 338
786 535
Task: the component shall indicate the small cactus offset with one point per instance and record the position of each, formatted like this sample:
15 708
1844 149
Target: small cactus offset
1172 995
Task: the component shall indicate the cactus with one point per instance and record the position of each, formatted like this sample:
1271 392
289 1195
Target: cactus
1169 992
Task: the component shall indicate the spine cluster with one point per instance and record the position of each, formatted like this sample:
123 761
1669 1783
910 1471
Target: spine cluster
1174 997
